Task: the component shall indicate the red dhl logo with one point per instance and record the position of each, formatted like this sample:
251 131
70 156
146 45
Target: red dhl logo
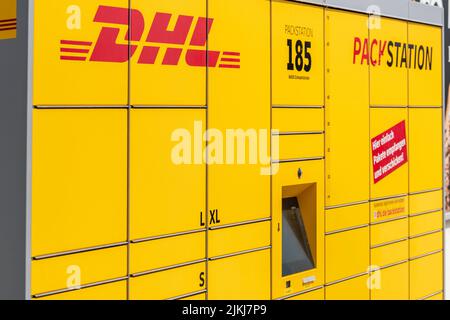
108 49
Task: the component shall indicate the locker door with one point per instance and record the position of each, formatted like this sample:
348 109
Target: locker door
238 239
426 276
79 179
173 50
347 254
81 52
79 269
167 173
420 246
425 73
425 138
342 218
389 232
389 152
297 55
155 254
168 284
347 108
239 101
393 283
241 277
425 223
388 74
425 202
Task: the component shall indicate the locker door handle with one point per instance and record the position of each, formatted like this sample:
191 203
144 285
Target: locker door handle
299 173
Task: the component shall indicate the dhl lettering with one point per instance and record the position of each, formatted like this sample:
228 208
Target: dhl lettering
109 48
394 54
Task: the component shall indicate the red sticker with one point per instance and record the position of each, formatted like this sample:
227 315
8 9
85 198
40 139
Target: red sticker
389 151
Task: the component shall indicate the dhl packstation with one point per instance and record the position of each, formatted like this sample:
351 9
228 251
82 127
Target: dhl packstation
221 149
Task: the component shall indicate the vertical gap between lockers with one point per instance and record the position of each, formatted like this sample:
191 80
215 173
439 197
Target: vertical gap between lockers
128 151
206 146
324 22
443 143
270 133
409 159
369 69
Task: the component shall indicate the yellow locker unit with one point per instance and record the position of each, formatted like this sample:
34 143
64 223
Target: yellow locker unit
425 184
238 150
347 112
221 149
297 228
390 283
167 199
298 149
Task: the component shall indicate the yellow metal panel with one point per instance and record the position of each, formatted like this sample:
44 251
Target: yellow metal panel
388 72
238 278
168 184
71 271
308 188
250 275
425 202
392 284
395 183
240 238
171 66
425 244
425 223
110 291
168 284
346 217
79 182
425 140
347 254
197 297
347 112
390 254
239 98
64 71
426 276
389 231
425 74
439 296
389 209
298 119
166 252
353 289
301 146
312 295
8 19
297 54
